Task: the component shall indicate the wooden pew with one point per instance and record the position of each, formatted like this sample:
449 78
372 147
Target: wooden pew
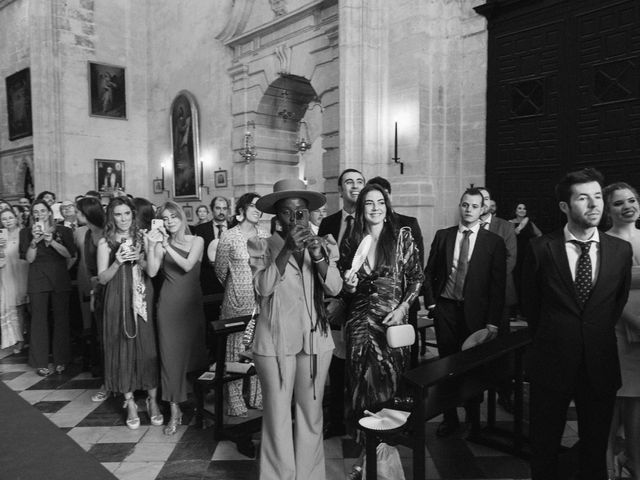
441 384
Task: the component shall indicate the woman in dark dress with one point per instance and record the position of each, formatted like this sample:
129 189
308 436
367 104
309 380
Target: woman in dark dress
525 231
130 355
47 247
380 292
180 312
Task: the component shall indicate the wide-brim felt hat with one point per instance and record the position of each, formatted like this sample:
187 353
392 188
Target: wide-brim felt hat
290 188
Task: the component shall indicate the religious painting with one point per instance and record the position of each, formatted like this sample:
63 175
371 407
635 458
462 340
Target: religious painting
19 104
157 185
220 179
107 92
109 175
185 146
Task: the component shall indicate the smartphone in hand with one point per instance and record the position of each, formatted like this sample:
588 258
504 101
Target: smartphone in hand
156 223
4 234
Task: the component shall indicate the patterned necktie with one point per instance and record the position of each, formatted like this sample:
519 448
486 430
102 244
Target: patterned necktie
347 231
583 272
219 227
463 265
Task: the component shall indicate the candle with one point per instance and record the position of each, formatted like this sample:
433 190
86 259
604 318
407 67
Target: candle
395 143
162 166
201 173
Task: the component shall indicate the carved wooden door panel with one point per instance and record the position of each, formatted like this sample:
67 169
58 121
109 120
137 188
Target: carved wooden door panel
562 94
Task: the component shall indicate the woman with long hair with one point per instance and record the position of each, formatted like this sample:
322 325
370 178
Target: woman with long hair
181 332
130 355
234 273
380 293
47 247
623 208
525 230
13 283
92 216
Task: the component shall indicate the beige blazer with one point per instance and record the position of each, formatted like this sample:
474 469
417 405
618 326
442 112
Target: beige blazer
287 311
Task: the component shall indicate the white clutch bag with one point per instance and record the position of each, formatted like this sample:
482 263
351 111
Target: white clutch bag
401 336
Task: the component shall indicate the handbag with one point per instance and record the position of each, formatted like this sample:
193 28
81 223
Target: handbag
401 336
250 331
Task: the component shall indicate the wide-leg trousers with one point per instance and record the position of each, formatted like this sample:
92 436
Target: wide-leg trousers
288 452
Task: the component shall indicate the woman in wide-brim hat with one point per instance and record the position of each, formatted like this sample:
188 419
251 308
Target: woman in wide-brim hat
292 272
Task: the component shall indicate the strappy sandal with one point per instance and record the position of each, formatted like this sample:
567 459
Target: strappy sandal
99 396
43 372
132 423
156 420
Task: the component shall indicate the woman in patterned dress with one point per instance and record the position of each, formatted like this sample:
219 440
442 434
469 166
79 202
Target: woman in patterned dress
233 271
379 296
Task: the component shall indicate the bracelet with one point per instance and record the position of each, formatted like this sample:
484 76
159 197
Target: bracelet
117 263
318 260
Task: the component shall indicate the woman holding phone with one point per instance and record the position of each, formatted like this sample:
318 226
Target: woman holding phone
47 247
180 312
130 355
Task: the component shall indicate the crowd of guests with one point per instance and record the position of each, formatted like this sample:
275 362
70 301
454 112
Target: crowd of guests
322 304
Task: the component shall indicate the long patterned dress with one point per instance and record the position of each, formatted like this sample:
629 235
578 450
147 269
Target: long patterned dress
233 271
13 292
373 368
130 354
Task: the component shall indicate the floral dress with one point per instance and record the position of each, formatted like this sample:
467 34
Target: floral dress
234 273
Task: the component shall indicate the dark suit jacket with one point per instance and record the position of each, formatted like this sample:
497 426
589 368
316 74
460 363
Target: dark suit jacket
566 337
485 281
331 224
208 279
507 232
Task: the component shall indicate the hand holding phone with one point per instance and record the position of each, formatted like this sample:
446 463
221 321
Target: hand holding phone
157 224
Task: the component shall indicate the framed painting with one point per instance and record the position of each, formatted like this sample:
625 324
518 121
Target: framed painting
220 179
19 104
185 146
157 185
188 212
107 91
109 175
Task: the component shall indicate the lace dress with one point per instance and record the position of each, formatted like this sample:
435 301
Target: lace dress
13 291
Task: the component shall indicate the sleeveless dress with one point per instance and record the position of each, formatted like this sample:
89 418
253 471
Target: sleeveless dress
233 271
629 352
130 353
373 368
181 327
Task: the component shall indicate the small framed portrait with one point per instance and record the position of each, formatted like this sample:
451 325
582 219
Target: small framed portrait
220 179
109 175
188 212
107 91
19 104
157 185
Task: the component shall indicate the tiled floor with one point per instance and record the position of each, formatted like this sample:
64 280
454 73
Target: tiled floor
147 454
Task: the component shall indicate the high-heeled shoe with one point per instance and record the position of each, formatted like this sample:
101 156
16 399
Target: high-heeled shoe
156 420
132 422
620 466
172 426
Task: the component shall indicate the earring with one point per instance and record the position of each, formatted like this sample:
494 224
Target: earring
240 217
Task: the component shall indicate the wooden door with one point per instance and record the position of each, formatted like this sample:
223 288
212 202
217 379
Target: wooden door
563 94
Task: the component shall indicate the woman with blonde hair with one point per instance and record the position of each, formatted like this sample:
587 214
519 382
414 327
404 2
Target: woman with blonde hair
181 324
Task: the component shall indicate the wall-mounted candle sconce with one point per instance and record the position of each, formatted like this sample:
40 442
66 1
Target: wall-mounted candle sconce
248 151
202 185
303 143
395 157
162 181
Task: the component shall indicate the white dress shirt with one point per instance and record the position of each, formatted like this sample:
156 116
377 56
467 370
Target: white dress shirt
574 251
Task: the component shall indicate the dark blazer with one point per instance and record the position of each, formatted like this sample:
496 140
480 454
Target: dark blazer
484 285
564 335
507 231
208 280
331 224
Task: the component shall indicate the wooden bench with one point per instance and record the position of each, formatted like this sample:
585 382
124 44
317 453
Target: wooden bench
438 385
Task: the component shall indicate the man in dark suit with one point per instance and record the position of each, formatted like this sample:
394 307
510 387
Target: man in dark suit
575 285
210 231
339 224
412 223
464 286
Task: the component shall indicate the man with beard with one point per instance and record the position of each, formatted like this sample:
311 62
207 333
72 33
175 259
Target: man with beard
211 231
575 285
